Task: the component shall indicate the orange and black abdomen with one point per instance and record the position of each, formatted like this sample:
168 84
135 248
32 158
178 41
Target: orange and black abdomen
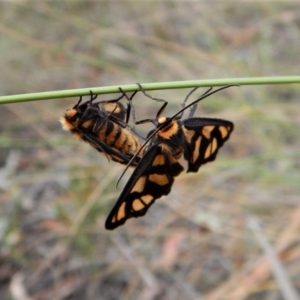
118 137
100 129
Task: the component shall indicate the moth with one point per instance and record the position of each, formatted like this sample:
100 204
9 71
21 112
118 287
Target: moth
104 126
198 140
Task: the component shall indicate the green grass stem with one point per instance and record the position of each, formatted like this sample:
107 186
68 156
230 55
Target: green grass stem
148 87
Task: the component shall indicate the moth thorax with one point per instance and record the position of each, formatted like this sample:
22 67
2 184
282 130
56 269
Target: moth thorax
169 130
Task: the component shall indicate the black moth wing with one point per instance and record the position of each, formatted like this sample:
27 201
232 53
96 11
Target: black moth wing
204 137
151 179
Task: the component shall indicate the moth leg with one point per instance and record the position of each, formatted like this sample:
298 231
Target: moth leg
79 101
111 101
130 108
165 102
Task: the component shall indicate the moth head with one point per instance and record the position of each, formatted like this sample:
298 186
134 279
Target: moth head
162 120
78 114
70 119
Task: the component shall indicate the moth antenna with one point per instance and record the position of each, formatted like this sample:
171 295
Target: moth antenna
203 96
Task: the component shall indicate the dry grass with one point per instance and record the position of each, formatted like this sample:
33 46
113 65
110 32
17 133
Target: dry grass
56 192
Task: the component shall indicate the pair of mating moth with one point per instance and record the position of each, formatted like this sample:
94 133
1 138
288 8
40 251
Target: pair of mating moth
104 125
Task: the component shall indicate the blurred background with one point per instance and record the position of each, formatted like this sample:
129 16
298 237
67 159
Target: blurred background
200 241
